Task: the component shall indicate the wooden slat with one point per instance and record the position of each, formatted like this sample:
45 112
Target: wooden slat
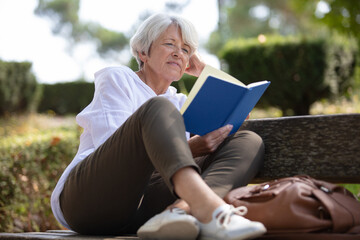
323 146
60 235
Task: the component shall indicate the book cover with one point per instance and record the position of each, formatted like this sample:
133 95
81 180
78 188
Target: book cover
218 99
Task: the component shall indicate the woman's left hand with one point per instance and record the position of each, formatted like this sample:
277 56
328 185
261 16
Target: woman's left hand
202 145
196 65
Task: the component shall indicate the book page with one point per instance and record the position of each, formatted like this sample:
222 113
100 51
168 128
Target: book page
208 71
256 84
211 71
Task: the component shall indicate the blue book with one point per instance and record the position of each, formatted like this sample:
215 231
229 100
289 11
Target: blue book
218 99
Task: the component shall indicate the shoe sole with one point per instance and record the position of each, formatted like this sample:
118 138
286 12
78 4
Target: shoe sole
172 231
249 235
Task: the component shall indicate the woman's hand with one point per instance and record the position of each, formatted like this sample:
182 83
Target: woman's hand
196 65
202 145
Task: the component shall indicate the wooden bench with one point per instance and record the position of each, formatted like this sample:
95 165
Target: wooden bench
325 147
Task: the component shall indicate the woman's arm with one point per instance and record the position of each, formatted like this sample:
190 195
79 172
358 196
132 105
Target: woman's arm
203 145
111 106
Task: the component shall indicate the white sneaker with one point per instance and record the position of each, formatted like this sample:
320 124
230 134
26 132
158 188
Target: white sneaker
170 224
227 224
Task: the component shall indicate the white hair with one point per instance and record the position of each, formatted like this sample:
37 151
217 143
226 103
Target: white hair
154 26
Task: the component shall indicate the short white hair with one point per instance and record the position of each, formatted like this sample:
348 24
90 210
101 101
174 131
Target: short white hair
154 26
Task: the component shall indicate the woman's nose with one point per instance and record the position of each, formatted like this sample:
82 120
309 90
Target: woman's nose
177 51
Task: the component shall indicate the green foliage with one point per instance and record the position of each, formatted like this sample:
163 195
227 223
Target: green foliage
343 16
185 84
243 18
354 189
301 71
30 166
66 98
63 12
248 19
19 91
133 64
108 40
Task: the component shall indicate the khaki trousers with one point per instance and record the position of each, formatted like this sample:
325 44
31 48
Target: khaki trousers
127 180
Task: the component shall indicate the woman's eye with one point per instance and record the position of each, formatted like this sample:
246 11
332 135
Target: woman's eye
185 50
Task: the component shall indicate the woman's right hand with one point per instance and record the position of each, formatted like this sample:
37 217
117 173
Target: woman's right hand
196 65
203 145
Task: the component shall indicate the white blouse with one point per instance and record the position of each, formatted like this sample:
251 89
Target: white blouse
119 92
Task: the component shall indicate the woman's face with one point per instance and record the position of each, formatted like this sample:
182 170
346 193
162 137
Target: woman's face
168 56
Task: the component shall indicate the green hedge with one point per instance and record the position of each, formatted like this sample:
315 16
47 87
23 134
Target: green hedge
66 98
30 166
19 91
301 71
185 84
72 97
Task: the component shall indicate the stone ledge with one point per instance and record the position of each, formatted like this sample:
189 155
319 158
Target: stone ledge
326 147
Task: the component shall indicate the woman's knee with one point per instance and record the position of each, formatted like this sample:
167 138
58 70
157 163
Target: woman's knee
251 138
158 103
252 149
158 106
249 144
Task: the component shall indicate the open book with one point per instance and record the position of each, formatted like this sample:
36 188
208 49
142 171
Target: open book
218 99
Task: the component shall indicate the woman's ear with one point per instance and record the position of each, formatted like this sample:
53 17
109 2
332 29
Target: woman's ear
143 56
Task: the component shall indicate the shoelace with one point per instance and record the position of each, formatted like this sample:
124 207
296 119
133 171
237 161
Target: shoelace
224 217
178 210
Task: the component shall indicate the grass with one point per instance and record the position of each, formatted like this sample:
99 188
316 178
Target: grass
340 105
33 123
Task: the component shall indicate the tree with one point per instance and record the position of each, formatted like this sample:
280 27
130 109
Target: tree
64 16
342 16
248 19
66 22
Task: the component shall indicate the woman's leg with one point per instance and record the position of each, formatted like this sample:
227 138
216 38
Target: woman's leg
232 165
102 194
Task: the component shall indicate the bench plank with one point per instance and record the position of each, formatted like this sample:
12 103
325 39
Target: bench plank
326 147
59 235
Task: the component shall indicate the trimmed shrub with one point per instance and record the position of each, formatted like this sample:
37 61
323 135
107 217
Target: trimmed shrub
72 97
66 98
30 166
301 71
19 91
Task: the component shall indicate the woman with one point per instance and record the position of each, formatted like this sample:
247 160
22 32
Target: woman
135 159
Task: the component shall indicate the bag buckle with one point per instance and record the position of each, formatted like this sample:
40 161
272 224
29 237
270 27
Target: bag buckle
325 190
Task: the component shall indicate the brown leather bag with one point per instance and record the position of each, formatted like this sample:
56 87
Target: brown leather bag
300 206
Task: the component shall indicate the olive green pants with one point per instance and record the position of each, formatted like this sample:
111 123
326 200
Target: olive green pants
127 180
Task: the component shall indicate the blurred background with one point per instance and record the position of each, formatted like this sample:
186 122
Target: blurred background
50 49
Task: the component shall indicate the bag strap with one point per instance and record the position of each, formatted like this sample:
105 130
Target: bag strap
340 215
